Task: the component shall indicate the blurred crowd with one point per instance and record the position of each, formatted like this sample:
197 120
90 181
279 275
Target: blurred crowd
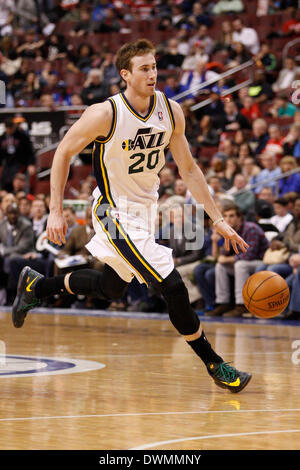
243 140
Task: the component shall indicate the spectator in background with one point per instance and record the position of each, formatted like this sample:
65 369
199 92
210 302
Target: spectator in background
233 120
196 54
24 205
7 10
171 58
31 47
286 75
266 194
282 217
84 25
291 142
202 35
38 217
19 183
208 136
82 61
109 23
260 90
250 169
238 54
250 109
270 170
266 59
282 107
47 101
174 87
232 168
197 77
260 136
94 90
224 41
289 183
243 197
215 109
199 16
167 182
6 200
264 212
227 149
240 266
16 238
247 36
16 154
108 70
275 142
228 6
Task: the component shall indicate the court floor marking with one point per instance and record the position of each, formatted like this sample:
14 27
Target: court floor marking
109 355
212 436
162 413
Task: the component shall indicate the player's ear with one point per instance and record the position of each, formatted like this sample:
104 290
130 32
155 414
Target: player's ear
124 74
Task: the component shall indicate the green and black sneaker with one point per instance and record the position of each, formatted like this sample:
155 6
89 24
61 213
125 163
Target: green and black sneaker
25 299
226 376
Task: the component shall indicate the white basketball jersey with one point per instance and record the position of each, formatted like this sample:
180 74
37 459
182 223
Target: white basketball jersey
128 161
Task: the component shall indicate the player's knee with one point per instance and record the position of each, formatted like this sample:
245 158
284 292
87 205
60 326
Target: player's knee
173 284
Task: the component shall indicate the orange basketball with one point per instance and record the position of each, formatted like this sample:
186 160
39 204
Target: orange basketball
266 294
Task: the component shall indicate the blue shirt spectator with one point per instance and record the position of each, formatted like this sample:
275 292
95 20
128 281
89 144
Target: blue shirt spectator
270 171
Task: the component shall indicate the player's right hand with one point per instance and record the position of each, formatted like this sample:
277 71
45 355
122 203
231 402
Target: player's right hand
56 228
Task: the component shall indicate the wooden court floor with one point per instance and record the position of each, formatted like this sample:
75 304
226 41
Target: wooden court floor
153 393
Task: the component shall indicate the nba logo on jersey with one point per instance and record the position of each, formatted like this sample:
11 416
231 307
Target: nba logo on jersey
160 115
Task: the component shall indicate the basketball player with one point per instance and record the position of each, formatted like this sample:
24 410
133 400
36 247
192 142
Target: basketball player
130 131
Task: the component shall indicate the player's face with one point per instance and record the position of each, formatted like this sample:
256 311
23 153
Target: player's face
143 74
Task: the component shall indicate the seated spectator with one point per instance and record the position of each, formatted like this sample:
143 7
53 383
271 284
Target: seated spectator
47 101
282 217
24 205
228 6
108 69
275 142
265 58
260 136
201 35
174 87
282 107
250 169
82 61
239 266
238 54
196 54
286 246
16 238
260 90
197 77
264 212
94 90
270 170
209 136
267 194
31 47
247 36
167 182
16 151
109 23
232 168
244 151
199 16
6 200
243 197
31 89
19 183
84 25
215 183
227 149
224 41
232 119
38 217
286 75
56 48
7 9
291 143
215 109
171 58
289 183
250 109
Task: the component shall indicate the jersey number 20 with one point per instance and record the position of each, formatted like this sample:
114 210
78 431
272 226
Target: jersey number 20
139 165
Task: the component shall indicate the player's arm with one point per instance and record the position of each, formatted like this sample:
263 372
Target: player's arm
195 180
95 121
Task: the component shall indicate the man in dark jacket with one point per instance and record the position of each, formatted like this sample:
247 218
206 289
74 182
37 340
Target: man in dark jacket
16 154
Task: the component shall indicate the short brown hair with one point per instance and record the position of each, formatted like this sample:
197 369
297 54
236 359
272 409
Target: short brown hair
130 50
231 206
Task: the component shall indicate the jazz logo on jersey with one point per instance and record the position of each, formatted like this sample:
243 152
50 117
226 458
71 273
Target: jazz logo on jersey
144 139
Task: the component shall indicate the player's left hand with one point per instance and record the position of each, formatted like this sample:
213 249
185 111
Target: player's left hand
230 236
